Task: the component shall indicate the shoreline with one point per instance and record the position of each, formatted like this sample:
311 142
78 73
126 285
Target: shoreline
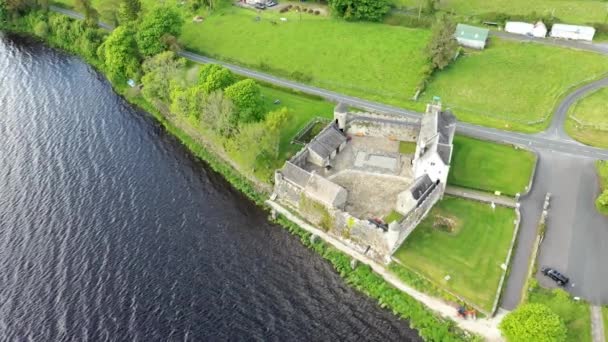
425 320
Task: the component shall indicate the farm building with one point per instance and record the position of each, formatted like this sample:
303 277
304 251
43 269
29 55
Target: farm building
471 36
572 32
535 30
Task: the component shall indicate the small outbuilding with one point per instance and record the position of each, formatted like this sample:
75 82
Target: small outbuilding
575 32
538 30
326 145
471 36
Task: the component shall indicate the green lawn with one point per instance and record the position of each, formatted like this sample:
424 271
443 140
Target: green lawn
374 61
471 255
393 216
304 108
602 171
407 147
487 166
576 315
511 85
592 113
571 11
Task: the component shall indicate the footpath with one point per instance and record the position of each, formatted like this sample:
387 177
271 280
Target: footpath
481 196
486 328
597 324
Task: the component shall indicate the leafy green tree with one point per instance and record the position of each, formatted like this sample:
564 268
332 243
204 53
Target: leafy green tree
3 12
533 322
41 29
371 10
90 41
91 16
219 114
129 10
155 27
214 77
442 47
159 71
119 54
602 200
108 11
275 121
247 98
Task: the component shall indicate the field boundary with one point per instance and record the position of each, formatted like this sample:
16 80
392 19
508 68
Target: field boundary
501 283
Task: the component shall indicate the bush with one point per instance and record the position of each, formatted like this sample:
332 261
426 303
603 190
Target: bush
301 77
41 29
284 9
370 10
408 20
533 322
311 11
317 12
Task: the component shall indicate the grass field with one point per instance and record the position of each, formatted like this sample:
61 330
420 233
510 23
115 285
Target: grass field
407 147
592 112
576 315
471 255
571 11
487 166
511 84
374 61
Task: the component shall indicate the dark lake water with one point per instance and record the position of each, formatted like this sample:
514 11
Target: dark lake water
111 231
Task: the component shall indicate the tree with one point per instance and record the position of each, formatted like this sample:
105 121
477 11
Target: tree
275 121
533 322
602 200
119 54
91 16
371 10
129 10
108 11
214 77
155 27
219 114
90 41
442 47
41 29
159 71
247 98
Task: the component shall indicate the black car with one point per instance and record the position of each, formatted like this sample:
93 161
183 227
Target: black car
259 5
561 279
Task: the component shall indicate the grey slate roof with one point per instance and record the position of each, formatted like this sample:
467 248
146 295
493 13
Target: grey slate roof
295 174
446 126
421 186
325 191
327 141
445 153
341 108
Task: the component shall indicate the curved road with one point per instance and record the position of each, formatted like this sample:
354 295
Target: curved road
577 237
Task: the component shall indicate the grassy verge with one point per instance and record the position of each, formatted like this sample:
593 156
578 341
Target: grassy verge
570 11
466 240
602 171
487 166
588 119
605 315
576 314
513 85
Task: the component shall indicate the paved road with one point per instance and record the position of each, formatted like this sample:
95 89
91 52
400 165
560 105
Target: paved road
577 237
573 44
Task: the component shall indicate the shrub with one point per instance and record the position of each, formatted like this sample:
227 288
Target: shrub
317 12
310 10
371 10
301 77
284 9
408 20
533 322
41 29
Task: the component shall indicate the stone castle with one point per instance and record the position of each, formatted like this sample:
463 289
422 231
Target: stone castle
370 179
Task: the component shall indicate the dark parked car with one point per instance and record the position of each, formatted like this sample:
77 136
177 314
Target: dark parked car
259 5
559 278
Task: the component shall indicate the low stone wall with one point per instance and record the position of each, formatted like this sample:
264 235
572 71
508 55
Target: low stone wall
413 219
362 233
382 129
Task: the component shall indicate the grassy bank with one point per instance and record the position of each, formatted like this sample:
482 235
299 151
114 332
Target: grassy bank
466 240
588 119
512 85
487 166
576 314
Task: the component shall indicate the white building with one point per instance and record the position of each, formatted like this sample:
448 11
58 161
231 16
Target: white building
434 146
572 32
535 30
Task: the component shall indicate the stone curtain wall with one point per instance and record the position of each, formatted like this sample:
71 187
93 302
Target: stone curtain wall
362 233
413 219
